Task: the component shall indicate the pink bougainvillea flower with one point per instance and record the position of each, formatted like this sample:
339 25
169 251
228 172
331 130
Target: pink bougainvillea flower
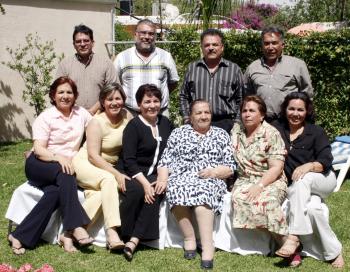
6 268
25 268
45 268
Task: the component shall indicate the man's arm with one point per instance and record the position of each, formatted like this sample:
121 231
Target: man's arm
305 84
61 71
173 76
185 98
172 86
116 64
248 88
94 108
238 90
111 75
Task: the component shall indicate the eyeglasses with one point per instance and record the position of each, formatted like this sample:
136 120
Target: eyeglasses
144 33
86 41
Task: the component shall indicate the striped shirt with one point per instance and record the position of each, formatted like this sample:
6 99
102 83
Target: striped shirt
222 89
159 69
89 78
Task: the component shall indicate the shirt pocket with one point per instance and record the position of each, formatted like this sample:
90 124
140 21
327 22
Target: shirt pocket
224 88
303 149
283 81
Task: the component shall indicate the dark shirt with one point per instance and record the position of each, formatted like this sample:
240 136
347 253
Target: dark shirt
139 146
310 146
222 89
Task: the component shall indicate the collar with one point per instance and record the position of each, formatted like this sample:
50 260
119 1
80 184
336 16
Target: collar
308 129
262 60
143 120
57 114
223 63
80 59
149 57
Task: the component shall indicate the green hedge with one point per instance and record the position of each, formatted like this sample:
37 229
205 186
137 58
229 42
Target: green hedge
327 56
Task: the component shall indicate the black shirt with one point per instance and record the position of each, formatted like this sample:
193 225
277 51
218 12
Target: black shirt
139 146
310 146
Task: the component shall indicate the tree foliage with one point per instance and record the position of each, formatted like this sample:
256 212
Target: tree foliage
207 11
35 62
306 11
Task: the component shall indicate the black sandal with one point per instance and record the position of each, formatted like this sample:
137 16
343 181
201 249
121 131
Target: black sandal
128 252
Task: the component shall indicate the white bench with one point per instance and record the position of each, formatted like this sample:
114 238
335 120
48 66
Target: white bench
239 241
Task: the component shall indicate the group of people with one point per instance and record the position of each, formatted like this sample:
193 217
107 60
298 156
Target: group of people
259 124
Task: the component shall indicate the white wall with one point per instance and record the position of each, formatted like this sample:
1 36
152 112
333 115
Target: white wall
52 20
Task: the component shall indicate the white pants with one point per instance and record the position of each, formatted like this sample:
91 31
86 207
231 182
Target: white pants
303 221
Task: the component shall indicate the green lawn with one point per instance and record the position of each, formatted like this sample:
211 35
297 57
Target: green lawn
146 259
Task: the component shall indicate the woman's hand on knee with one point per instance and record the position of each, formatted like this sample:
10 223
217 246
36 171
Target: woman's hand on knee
160 186
121 179
301 170
149 193
66 163
253 192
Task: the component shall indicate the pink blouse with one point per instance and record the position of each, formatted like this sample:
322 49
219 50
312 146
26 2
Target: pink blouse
63 134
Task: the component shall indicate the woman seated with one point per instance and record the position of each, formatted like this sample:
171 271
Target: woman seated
144 140
57 134
309 171
195 163
260 189
94 162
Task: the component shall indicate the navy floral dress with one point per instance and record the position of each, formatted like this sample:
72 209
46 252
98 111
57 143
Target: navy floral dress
187 153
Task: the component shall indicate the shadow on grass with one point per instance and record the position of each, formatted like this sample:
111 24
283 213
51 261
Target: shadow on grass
85 250
282 263
7 144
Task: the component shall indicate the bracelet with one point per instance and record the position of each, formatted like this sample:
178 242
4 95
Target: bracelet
261 185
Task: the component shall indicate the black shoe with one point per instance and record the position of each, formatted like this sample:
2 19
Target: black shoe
190 254
207 264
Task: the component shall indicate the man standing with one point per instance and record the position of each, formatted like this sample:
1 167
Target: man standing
275 75
145 63
214 79
88 70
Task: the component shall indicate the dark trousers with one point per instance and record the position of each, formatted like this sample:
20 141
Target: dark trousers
225 123
60 191
139 219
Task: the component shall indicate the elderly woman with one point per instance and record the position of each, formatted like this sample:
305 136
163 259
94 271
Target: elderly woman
261 186
94 162
195 163
144 140
57 134
309 171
